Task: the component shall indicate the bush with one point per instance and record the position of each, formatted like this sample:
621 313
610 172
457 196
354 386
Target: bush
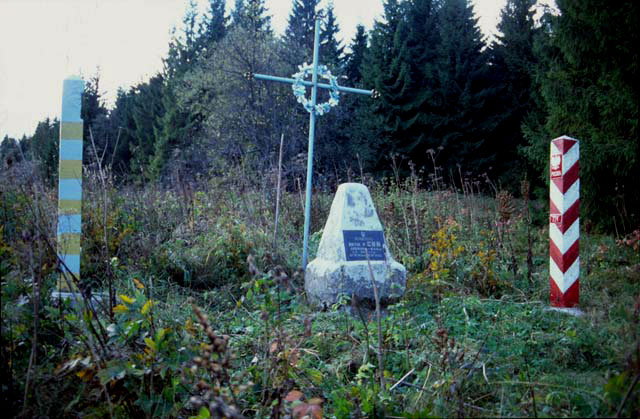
213 258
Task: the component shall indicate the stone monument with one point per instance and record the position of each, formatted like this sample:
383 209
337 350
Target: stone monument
352 252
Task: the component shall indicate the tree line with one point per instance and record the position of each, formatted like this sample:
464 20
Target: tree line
451 104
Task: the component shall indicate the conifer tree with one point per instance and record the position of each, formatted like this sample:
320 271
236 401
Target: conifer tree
94 115
174 126
215 25
252 16
332 149
461 122
174 129
184 47
10 152
355 127
331 51
355 58
512 62
122 129
381 51
43 148
590 92
298 36
380 72
148 109
412 100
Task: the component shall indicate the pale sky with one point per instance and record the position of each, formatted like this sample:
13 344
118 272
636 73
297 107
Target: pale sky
44 41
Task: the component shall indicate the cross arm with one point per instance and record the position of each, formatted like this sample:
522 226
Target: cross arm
310 84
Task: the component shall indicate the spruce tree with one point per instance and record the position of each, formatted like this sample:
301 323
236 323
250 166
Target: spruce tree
513 62
215 24
43 148
93 109
251 15
355 58
185 45
381 52
355 127
412 104
590 92
332 148
148 110
298 36
10 152
96 129
122 128
174 126
462 123
380 72
331 51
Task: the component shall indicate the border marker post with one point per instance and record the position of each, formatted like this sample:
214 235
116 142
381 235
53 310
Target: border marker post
69 230
564 222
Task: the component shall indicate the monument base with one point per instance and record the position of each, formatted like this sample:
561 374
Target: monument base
326 281
573 311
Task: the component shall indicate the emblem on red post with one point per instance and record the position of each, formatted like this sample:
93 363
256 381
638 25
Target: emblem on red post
556 165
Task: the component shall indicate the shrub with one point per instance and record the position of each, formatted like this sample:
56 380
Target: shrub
213 258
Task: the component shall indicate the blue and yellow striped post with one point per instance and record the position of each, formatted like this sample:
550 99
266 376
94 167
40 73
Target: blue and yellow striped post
70 183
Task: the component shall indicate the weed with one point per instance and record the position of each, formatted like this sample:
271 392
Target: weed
485 346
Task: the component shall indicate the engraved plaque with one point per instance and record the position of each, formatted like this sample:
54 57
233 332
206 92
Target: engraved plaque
363 245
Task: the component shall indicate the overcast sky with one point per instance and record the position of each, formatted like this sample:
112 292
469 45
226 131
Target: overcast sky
44 41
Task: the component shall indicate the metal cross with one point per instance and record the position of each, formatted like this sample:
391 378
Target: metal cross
312 126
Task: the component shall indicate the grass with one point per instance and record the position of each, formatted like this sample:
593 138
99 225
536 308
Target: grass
471 337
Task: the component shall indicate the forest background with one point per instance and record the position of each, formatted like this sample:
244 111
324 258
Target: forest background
450 104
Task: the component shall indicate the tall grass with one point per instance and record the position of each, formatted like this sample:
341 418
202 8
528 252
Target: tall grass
471 337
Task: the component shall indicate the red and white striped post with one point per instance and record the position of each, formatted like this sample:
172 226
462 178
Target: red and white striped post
564 222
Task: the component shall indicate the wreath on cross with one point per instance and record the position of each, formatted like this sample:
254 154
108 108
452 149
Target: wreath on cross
299 89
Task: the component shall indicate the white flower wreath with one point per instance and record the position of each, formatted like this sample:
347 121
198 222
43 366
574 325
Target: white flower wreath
299 89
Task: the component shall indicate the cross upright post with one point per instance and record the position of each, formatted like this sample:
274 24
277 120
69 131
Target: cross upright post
314 109
312 133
